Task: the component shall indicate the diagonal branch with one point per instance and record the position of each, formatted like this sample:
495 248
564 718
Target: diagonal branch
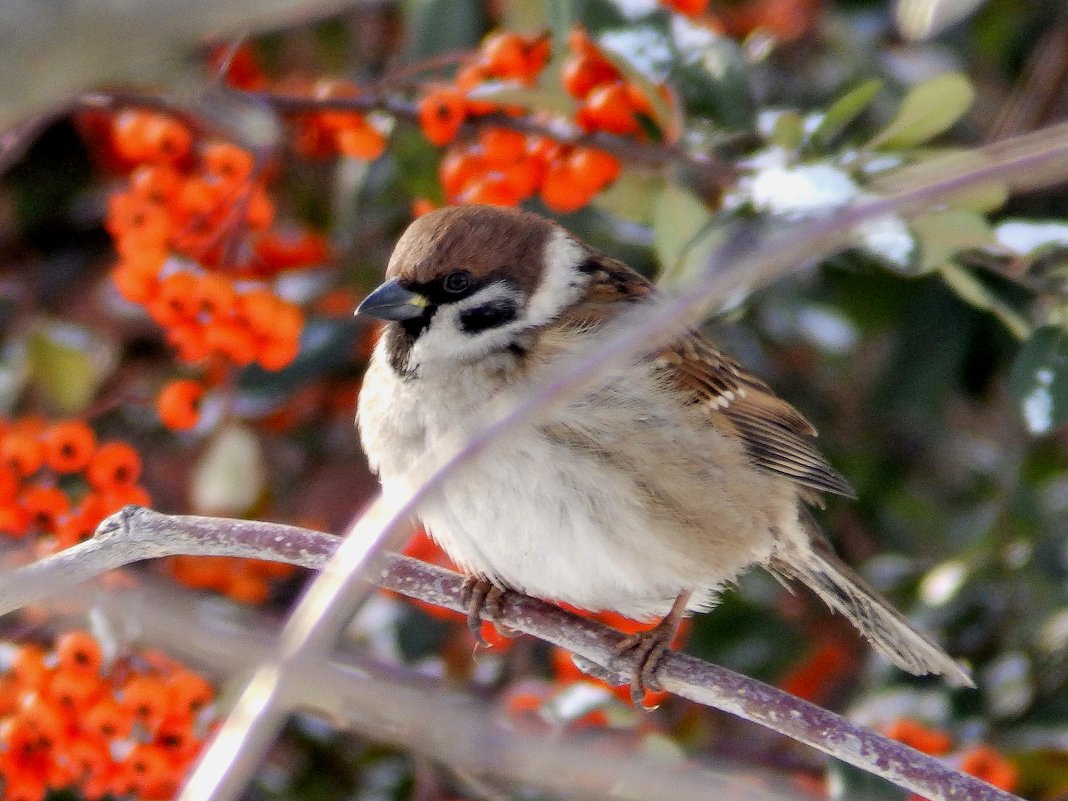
136 533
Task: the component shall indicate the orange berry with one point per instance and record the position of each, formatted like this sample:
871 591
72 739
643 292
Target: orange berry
458 169
232 340
176 735
189 340
22 453
115 464
583 73
691 8
288 321
259 309
23 786
9 484
361 142
216 295
608 108
492 189
149 136
230 165
131 217
525 176
177 300
188 692
44 506
69 446
158 184
149 772
441 113
107 719
79 650
502 146
260 212
247 588
923 738
29 668
593 168
277 352
74 691
990 766
178 404
282 251
144 698
421 206
561 191
76 527
504 54
137 279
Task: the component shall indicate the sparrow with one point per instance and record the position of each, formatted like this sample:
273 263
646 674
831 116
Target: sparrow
646 493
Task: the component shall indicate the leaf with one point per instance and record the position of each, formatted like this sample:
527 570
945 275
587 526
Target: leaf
717 85
788 131
943 234
68 363
230 477
843 111
678 216
944 165
971 290
928 109
436 27
1039 379
548 95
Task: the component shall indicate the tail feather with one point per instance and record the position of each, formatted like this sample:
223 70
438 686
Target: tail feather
883 626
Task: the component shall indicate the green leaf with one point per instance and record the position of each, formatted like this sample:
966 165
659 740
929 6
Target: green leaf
548 95
678 217
67 364
788 131
843 111
971 290
230 477
436 27
931 166
928 109
1039 380
717 85
943 234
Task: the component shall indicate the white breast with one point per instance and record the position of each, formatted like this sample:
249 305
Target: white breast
619 500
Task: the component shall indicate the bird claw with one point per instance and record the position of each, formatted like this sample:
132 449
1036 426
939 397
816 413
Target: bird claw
482 598
645 650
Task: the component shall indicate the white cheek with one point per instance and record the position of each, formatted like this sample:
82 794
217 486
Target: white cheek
561 283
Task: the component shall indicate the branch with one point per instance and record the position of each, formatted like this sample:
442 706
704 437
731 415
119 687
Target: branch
136 533
51 51
395 705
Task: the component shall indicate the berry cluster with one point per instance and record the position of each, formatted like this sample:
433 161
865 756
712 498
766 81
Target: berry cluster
57 482
246 581
193 231
324 134
504 167
131 728
980 760
608 102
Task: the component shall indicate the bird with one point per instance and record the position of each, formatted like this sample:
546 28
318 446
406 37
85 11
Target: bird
645 493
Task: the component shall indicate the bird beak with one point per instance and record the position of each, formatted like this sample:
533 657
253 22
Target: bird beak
391 301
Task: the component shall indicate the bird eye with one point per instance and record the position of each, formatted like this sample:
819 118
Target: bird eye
458 281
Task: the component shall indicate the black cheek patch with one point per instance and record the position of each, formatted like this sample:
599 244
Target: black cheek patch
492 315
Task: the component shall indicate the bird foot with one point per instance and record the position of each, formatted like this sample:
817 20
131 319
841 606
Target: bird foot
644 651
482 598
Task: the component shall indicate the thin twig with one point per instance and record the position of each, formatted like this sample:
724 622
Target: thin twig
136 533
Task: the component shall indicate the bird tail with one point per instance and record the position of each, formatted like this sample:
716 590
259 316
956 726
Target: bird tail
844 591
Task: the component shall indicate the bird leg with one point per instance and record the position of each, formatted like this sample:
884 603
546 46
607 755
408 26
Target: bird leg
647 648
483 600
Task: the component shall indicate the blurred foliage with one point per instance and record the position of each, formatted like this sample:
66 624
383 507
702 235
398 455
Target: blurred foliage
933 357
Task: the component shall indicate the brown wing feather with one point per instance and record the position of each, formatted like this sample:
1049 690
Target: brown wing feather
776 436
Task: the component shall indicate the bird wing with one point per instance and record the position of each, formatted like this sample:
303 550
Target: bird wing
777 438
